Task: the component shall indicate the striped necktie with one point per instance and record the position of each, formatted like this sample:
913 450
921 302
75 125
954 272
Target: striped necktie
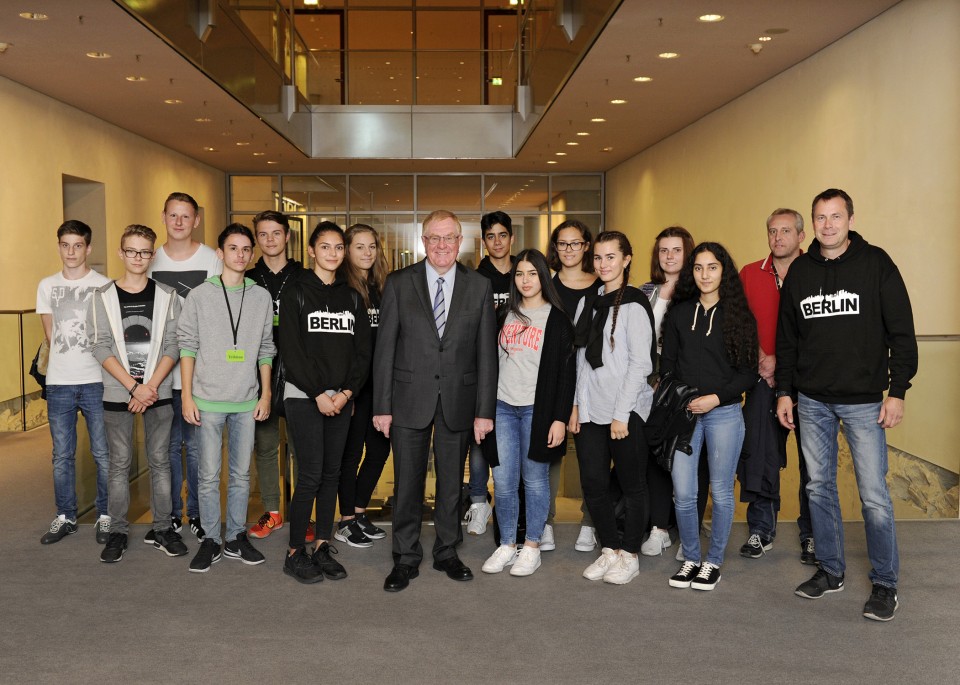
439 308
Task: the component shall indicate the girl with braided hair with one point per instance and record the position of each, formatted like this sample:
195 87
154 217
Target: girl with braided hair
709 343
613 399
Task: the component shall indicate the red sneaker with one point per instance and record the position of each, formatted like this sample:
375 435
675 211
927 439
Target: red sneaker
311 535
266 524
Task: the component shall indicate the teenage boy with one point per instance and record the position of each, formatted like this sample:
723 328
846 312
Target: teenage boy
182 263
73 379
226 335
496 229
274 272
133 324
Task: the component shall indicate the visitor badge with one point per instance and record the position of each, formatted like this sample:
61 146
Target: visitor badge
276 320
235 355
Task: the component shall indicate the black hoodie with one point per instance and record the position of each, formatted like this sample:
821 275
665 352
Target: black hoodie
845 332
275 283
324 336
499 281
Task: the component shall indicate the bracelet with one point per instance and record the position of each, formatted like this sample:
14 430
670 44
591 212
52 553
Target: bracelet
134 387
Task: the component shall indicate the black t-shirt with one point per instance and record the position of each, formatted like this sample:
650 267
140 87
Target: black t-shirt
571 297
136 314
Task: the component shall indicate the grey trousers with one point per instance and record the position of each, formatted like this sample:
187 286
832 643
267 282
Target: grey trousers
119 425
266 442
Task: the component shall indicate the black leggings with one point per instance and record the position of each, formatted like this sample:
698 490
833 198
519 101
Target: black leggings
358 481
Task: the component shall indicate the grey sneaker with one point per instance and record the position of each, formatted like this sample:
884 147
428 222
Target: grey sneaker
244 551
882 604
60 528
821 583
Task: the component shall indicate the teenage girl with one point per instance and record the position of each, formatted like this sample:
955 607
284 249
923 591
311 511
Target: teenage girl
326 351
534 399
670 249
709 343
365 269
570 255
613 398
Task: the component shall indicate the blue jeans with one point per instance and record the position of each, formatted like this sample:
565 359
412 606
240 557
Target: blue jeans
183 434
240 428
63 403
723 430
513 444
819 424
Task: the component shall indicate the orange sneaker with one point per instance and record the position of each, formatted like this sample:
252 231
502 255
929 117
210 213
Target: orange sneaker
311 535
266 524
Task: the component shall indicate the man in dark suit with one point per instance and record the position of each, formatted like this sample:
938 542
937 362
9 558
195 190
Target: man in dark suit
435 373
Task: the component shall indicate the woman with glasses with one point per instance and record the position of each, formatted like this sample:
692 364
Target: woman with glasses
570 255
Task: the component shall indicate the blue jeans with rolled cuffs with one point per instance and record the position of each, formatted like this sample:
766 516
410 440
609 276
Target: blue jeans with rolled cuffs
819 425
240 428
513 444
723 429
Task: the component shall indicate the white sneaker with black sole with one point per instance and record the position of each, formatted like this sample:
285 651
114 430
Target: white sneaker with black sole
707 578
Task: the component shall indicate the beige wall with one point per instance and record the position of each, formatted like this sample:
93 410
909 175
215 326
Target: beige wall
876 113
43 140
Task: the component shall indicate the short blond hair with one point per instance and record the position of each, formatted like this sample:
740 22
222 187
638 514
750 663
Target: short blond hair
439 215
138 231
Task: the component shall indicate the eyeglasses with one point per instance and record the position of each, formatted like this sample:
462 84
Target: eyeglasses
573 246
142 254
435 240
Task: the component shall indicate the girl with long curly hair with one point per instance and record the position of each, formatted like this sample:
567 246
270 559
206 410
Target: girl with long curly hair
709 343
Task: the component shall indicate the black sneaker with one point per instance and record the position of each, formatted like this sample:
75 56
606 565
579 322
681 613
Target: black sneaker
351 533
197 529
821 583
60 528
102 529
170 542
176 523
207 555
755 546
114 549
301 568
330 568
808 552
707 578
370 530
242 549
150 537
682 578
882 604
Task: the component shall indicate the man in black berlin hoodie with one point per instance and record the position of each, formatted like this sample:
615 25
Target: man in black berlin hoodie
496 228
846 335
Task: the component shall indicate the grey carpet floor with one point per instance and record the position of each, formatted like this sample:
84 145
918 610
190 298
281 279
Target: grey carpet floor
65 617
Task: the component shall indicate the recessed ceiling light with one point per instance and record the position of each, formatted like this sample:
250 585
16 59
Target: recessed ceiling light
210 149
618 102
272 162
203 120
136 79
259 154
764 39
551 161
582 133
98 55
573 142
173 101
34 16
710 18
242 143
668 55
606 149
561 154
642 79
598 120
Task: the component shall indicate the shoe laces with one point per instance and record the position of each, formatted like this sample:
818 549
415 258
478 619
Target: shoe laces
808 546
705 570
882 592
264 519
58 523
103 523
754 541
686 568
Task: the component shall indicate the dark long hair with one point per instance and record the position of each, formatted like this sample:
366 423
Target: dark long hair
627 251
547 289
356 279
553 259
739 325
656 272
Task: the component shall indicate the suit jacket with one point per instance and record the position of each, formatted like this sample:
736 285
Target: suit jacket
412 365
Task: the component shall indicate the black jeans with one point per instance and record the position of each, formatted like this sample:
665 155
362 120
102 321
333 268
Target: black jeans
318 442
358 481
629 455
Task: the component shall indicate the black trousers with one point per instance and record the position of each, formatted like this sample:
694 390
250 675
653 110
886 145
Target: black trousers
411 452
596 449
318 442
358 481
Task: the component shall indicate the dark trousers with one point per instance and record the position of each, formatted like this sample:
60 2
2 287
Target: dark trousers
660 487
318 442
411 452
358 481
596 450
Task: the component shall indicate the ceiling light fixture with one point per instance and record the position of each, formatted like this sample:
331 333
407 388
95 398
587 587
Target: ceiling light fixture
272 162
34 16
618 101
98 55
572 143
242 143
582 133
598 120
643 79
173 101
259 154
560 154
203 120
136 79
765 39
668 55
209 149
606 149
551 161
710 18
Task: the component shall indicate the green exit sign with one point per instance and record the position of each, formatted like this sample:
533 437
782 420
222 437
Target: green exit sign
496 81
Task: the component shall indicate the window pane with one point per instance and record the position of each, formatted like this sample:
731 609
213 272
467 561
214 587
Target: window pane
515 193
399 235
449 78
315 193
380 78
381 193
373 30
577 193
454 193
450 30
254 193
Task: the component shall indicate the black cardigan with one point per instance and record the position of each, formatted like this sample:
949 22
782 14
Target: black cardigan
556 383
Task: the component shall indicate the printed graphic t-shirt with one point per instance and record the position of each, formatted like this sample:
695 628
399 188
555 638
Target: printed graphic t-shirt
520 349
136 312
67 301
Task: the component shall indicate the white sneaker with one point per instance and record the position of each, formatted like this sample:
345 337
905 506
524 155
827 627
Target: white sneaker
587 540
547 543
598 569
658 541
625 569
504 556
476 517
528 561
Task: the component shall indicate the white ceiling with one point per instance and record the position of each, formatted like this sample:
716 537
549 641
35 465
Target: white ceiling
714 67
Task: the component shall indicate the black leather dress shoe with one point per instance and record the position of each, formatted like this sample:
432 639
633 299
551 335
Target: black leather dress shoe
400 577
454 568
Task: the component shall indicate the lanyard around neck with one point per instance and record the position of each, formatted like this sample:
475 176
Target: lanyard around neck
234 329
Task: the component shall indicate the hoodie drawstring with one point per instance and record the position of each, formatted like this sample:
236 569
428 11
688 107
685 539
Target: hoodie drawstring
696 310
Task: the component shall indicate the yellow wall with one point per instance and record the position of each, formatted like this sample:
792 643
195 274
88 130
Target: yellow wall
878 114
43 140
